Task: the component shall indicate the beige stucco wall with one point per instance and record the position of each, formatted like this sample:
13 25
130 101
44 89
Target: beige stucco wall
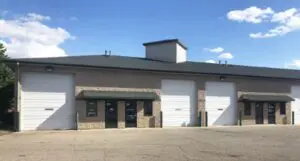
125 80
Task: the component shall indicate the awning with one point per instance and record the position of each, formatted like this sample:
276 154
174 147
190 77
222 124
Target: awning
121 95
263 97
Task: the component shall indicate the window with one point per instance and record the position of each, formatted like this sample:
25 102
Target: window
247 109
91 108
148 110
282 109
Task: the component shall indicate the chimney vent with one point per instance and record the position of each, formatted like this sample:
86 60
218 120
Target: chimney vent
171 50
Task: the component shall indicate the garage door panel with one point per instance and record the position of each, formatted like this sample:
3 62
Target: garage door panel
186 102
35 104
296 104
44 96
178 99
47 99
174 114
47 114
177 122
222 99
177 107
220 103
44 109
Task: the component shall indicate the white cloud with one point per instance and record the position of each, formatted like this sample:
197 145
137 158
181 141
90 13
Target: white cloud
252 14
277 31
294 64
226 56
284 15
210 61
73 18
215 50
28 36
34 17
287 21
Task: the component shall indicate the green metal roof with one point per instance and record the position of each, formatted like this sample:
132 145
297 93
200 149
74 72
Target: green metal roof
121 95
144 64
260 97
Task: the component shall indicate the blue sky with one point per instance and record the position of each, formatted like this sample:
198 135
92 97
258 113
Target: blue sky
122 26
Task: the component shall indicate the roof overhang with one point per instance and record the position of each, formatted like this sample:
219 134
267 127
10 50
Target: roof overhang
137 64
166 41
120 95
266 98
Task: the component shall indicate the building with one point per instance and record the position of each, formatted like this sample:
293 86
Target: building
161 90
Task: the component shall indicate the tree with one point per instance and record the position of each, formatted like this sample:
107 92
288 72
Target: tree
6 89
6 74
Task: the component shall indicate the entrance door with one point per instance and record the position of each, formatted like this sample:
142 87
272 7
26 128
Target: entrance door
259 113
111 114
130 114
271 113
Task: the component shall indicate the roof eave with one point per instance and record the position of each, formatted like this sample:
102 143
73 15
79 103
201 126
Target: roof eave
154 70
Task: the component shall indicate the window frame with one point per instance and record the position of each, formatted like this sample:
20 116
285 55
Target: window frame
148 102
246 106
89 107
282 106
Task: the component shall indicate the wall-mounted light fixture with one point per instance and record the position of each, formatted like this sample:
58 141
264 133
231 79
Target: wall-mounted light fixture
49 68
222 78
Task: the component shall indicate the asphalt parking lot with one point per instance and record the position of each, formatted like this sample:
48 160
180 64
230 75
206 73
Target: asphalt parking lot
278 143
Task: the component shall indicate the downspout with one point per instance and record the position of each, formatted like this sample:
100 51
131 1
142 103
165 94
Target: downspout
17 115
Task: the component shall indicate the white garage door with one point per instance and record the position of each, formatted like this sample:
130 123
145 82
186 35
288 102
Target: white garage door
178 100
47 102
220 103
296 103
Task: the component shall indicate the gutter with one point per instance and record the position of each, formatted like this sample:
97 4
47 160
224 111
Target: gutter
17 119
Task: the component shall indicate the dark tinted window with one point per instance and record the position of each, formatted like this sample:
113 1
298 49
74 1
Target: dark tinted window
91 108
247 110
282 109
148 110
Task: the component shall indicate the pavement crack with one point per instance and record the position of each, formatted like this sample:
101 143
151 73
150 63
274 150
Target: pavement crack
184 153
105 155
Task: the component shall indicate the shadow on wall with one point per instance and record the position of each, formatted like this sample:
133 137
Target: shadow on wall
184 124
225 118
58 120
284 120
152 121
